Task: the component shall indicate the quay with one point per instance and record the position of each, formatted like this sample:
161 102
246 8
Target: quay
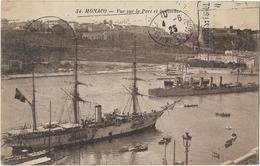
248 159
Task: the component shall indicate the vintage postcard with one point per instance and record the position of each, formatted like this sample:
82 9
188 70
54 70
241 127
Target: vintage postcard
129 82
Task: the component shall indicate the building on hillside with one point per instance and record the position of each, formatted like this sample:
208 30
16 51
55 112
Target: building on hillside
91 27
94 36
230 58
74 25
21 26
4 24
15 65
247 57
203 57
219 32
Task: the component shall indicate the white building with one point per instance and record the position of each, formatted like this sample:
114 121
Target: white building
229 58
248 58
203 57
94 35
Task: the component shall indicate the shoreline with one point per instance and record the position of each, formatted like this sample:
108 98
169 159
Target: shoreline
61 74
158 68
57 74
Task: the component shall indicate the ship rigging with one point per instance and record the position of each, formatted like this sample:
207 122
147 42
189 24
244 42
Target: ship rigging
102 127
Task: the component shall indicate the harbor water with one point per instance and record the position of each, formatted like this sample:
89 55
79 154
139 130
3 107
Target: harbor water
208 131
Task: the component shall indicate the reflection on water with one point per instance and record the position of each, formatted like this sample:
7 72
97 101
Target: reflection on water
208 131
100 153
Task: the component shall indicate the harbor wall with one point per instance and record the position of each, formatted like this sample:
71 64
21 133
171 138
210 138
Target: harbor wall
249 158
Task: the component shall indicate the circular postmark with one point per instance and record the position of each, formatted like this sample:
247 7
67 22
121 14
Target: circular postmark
48 38
171 27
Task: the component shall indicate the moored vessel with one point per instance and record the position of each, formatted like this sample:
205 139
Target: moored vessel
193 87
82 130
26 156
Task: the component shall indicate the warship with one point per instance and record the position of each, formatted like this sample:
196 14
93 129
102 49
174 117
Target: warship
101 127
180 87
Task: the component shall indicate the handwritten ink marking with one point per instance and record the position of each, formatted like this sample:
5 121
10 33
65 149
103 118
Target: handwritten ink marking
206 23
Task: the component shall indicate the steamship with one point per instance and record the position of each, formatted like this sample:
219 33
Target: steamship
201 86
101 127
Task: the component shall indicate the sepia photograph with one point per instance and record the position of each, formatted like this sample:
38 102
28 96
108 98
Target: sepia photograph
125 82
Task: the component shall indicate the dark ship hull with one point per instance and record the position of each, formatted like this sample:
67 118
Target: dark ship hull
165 92
22 158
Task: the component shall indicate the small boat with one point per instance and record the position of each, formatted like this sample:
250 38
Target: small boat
233 136
228 128
161 142
223 114
228 143
124 149
165 140
139 148
231 140
191 105
25 156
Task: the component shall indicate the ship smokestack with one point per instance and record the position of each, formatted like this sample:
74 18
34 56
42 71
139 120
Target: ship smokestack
211 82
220 81
168 84
191 81
98 113
201 81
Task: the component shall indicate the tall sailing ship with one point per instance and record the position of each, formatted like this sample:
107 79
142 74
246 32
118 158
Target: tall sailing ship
102 127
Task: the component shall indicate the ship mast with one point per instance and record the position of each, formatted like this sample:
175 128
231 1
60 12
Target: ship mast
33 100
134 89
50 129
238 71
198 41
167 67
76 94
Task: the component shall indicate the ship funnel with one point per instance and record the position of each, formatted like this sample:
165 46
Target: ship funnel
191 81
201 81
168 84
98 113
220 81
211 82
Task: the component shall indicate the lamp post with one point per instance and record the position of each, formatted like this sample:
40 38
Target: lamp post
174 152
164 160
186 143
165 142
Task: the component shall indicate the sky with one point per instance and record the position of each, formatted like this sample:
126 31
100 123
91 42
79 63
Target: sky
242 15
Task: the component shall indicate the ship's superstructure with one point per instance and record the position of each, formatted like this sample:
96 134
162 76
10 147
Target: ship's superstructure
102 127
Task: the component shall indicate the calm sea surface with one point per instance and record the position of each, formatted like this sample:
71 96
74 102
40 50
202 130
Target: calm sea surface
208 131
